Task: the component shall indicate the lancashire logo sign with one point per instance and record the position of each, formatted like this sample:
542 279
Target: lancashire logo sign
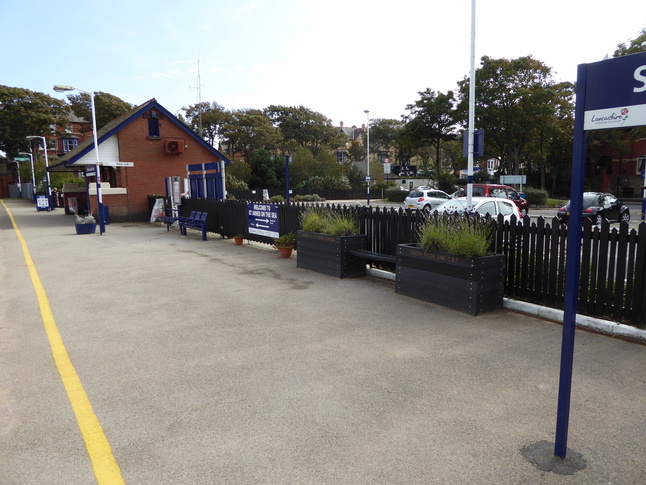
616 95
603 119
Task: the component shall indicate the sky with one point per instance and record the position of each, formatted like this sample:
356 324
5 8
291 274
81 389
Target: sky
339 58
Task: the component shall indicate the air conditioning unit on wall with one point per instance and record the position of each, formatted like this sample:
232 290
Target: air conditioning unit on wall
174 147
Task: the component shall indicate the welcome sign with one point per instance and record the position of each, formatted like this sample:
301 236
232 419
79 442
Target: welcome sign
616 93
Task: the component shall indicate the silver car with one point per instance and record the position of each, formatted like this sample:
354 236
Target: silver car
425 198
481 205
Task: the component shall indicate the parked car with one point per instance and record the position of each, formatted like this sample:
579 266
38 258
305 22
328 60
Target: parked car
503 191
425 198
598 206
481 205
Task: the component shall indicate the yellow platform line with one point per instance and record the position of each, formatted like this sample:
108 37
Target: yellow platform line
106 469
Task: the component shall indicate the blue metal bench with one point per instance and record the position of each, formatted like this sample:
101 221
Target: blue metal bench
197 222
168 219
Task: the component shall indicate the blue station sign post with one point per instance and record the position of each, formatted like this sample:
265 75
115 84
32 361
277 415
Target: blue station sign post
609 94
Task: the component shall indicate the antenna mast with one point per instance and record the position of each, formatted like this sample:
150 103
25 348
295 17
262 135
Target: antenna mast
199 100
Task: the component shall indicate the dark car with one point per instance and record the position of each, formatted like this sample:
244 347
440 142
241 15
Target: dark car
598 206
504 192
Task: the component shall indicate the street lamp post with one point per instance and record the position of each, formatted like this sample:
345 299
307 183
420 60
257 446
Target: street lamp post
49 186
19 182
33 176
367 112
61 89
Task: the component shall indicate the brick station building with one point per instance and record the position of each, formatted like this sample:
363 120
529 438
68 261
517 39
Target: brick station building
138 152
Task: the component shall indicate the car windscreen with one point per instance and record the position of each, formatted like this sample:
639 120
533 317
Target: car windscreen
590 200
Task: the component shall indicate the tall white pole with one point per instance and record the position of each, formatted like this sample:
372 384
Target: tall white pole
472 102
367 112
49 185
96 167
33 178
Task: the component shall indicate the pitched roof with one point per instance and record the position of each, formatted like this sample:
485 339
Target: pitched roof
351 132
116 125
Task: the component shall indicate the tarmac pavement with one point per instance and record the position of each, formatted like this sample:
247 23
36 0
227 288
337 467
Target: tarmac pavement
206 362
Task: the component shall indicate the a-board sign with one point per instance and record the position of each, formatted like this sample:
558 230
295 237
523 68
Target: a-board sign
262 219
42 202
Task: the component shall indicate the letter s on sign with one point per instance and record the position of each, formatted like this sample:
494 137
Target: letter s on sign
641 78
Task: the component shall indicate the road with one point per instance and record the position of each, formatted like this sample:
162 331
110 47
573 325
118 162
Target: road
547 213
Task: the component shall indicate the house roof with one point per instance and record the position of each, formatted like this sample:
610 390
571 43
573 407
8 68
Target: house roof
67 161
351 132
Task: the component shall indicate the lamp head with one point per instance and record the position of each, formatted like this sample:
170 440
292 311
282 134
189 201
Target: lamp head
60 88
33 137
366 111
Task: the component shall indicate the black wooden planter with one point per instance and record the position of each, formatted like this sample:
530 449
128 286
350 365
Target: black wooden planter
330 255
472 286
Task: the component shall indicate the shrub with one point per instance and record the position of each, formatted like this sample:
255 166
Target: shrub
465 237
286 241
341 225
315 219
277 199
396 195
535 197
308 198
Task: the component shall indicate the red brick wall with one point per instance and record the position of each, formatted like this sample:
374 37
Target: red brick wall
151 163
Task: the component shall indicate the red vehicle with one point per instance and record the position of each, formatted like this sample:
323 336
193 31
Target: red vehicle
504 192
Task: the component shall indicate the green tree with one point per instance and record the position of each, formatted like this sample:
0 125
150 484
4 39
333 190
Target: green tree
248 130
632 47
356 177
309 129
107 107
302 167
211 117
267 171
356 151
431 121
383 135
240 170
26 113
515 101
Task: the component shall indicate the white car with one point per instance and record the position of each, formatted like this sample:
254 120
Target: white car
425 198
481 205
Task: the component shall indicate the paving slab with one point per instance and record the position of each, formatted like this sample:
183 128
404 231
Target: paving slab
207 362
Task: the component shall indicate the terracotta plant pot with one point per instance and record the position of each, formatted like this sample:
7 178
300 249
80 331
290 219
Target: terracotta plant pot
285 252
238 241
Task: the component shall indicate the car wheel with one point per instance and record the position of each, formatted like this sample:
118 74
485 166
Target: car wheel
625 217
523 212
427 209
598 220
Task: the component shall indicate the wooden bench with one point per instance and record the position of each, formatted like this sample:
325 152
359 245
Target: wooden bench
372 256
197 222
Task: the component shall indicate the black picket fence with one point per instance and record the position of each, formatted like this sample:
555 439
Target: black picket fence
613 260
